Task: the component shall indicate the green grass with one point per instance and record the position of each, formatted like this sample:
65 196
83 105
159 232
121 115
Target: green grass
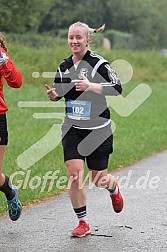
144 132
139 135
147 66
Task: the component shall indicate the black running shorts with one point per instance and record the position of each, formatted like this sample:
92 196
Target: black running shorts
94 146
3 130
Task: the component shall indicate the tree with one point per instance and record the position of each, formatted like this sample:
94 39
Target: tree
141 18
64 13
146 20
19 16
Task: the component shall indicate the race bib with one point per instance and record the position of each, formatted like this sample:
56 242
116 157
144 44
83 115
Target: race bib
78 110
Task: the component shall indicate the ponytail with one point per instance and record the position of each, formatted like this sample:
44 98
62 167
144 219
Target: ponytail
100 29
3 42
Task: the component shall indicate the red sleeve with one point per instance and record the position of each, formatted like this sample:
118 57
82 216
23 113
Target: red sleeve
12 76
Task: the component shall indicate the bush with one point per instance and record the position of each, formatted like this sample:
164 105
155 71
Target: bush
120 40
34 40
63 33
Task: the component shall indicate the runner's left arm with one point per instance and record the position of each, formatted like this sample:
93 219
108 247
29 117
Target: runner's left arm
109 81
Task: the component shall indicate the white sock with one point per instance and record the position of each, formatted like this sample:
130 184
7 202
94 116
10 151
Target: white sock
115 191
81 214
85 219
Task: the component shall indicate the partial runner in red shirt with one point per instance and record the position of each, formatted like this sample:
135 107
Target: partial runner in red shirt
13 78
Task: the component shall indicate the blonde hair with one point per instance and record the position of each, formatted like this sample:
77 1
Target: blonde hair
3 42
89 31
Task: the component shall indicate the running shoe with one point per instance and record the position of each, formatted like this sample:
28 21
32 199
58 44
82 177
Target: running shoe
14 206
117 200
81 230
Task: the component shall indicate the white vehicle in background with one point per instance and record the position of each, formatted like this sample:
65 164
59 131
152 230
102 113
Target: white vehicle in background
164 52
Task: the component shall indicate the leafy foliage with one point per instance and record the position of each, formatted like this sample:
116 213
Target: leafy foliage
145 20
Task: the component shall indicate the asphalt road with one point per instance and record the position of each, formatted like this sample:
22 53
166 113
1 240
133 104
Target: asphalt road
142 226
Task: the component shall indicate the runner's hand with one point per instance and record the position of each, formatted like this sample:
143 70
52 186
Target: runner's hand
81 84
53 96
3 57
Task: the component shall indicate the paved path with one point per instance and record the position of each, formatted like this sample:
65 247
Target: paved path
142 226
